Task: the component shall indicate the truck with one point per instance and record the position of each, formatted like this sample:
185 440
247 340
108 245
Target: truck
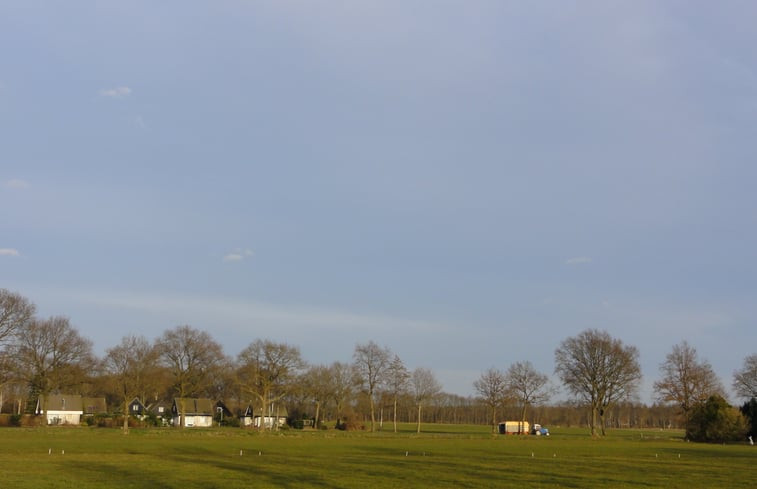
514 428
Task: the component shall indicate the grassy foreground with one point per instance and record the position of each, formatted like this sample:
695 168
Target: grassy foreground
444 456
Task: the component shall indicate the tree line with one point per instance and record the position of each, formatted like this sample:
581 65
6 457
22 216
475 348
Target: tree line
40 357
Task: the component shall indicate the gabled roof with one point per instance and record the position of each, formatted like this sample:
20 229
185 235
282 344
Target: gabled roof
155 407
137 402
193 406
94 405
280 412
60 402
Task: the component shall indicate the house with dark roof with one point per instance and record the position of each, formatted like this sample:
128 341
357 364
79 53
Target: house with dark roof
60 408
193 412
137 409
275 417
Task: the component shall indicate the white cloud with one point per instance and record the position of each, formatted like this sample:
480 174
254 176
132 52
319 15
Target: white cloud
8 252
578 260
118 92
238 255
17 183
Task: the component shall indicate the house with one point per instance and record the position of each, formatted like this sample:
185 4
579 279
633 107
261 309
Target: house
223 411
93 405
276 416
60 408
195 412
137 409
160 409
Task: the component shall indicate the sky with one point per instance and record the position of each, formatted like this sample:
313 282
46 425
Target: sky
468 183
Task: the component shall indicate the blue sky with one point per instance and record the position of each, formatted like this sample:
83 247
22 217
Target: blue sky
467 183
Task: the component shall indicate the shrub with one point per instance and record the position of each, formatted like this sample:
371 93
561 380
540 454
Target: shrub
715 421
749 410
349 424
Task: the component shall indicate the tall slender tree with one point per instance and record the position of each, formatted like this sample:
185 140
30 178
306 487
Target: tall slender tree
344 379
396 384
371 363
491 387
423 387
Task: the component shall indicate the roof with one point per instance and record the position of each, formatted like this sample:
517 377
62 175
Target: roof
194 406
94 405
61 402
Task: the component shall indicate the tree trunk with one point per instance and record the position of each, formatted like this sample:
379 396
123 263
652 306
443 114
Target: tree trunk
126 417
395 414
419 417
373 413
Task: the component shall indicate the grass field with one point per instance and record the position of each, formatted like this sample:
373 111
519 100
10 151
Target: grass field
443 456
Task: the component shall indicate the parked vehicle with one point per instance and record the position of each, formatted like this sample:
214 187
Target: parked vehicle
514 428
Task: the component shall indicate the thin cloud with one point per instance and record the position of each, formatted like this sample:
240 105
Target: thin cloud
117 92
578 260
238 255
17 183
9 252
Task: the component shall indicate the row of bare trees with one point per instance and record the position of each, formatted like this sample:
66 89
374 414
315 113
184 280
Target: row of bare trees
600 372
39 357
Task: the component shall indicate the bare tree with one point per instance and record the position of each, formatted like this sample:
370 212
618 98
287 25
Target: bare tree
193 358
15 313
423 387
745 380
528 386
343 377
268 370
50 355
397 378
131 365
371 363
686 380
491 386
318 386
599 370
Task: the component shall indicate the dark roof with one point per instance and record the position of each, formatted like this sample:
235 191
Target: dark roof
193 405
94 405
61 402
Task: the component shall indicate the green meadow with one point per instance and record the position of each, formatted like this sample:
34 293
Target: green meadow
442 456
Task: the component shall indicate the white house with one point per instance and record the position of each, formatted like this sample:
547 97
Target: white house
61 408
195 412
275 416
